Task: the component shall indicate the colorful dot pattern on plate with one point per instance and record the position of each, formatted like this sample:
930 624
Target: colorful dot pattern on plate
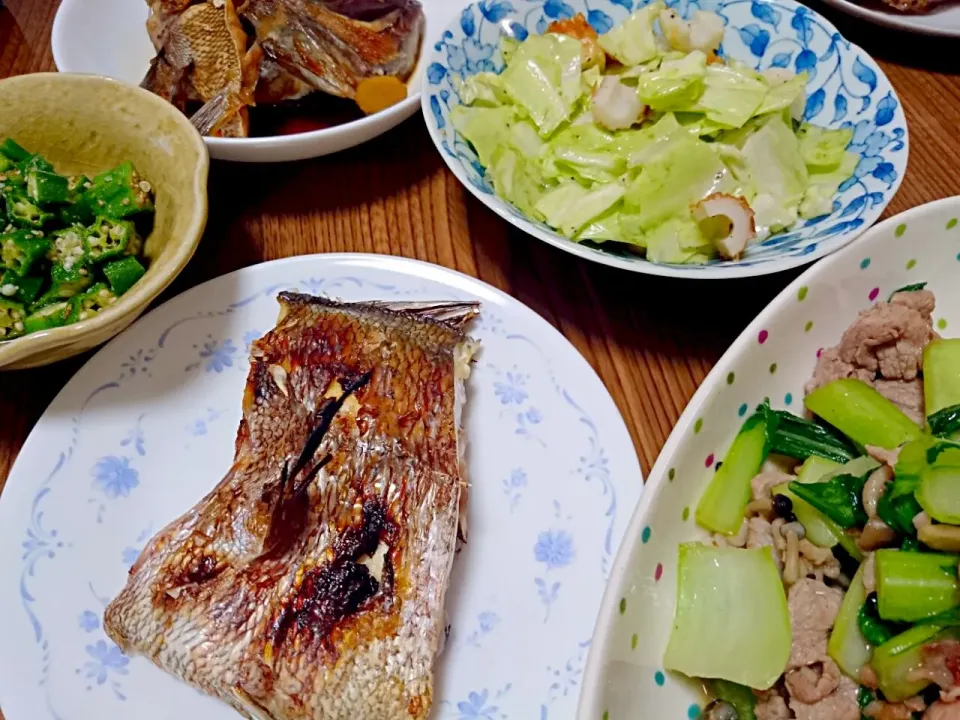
796 330
846 88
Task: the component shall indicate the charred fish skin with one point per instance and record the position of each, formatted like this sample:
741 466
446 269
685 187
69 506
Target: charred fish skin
310 583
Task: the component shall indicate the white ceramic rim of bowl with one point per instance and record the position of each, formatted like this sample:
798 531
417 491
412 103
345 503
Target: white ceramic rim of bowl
690 272
590 692
891 19
281 148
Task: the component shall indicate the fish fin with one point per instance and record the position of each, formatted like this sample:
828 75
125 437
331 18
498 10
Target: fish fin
452 313
224 115
456 313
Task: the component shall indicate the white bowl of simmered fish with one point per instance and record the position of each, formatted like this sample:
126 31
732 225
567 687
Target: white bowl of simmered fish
795 553
264 81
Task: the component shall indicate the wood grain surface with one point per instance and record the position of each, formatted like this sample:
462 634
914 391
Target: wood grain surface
395 196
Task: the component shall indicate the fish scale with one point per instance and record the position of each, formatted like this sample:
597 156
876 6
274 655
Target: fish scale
264 594
203 57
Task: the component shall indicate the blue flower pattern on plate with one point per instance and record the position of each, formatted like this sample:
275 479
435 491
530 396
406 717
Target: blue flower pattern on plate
200 426
845 89
554 548
511 391
106 660
513 485
487 621
130 555
135 438
478 706
116 477
88 621
218 356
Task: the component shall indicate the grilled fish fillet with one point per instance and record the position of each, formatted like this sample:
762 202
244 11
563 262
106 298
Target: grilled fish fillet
310 583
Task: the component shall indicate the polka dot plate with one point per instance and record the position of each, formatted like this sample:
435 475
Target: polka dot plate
774 357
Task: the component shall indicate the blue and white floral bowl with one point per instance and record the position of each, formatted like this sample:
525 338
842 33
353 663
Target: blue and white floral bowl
846 89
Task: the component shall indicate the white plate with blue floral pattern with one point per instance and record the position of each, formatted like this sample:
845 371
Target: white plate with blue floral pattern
846 88
147 427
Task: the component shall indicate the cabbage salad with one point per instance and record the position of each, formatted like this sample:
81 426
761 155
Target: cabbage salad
646 136
828 587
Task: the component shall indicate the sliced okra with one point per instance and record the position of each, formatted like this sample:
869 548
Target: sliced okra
67 282
107 239
11 150
76 213
90 303
12 314
35 162
11 178
46 317
23 212
120 193
22 289
47 188
21 249
123 274
78 184
67 246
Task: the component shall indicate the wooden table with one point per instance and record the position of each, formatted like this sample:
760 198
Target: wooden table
395 196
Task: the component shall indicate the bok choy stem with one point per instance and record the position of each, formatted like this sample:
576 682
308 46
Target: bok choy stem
721 508
848 647
941 386
862 414
895 661
912 586
939 493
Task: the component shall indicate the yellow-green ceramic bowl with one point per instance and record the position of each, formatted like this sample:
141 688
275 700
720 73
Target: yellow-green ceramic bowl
87 124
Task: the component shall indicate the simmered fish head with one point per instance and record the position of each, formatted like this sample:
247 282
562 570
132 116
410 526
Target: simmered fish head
331 45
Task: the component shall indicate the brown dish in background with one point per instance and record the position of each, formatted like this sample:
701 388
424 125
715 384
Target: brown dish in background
217 59
912 6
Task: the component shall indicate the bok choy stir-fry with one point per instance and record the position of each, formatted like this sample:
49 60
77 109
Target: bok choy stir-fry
829 587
